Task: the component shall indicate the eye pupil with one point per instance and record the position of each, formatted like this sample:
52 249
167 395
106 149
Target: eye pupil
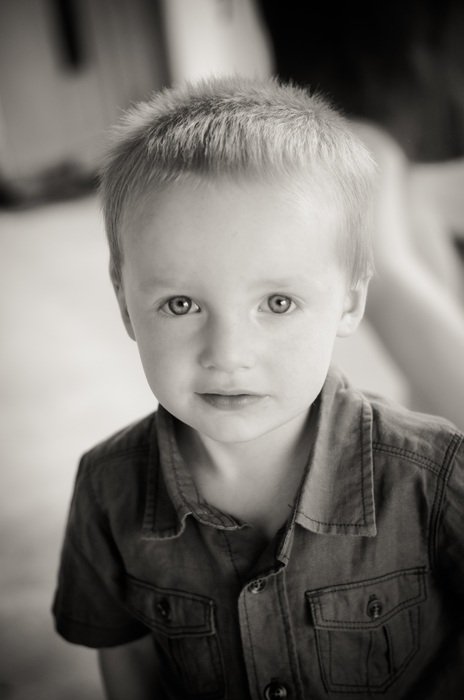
180 305
279 304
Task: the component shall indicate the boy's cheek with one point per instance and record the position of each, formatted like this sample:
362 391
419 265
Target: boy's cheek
163 359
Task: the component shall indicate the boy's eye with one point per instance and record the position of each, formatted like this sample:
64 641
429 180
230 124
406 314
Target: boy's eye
280 304
180 306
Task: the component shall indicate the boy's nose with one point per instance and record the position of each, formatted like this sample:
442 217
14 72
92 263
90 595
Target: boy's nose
228 346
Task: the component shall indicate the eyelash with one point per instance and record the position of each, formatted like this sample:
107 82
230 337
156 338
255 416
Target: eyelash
189 304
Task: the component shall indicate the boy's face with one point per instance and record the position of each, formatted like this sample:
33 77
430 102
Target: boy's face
235 295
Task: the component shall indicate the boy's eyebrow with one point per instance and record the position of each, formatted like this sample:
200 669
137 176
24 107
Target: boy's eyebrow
156 281
275 284
288 280
283 281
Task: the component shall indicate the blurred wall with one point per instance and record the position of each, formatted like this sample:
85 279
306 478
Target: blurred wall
67 68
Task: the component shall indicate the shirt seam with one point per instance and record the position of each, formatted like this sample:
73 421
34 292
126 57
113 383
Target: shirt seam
231 557
436 516
321 522
290 642
412 571
122 452
96 498
426 462
250 642
363 495
354 624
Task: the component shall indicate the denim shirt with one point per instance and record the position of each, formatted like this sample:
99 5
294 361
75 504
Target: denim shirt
360 594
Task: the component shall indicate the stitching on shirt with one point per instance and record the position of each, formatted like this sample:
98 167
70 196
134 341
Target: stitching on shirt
421 570
408 454
363 495
288 635
174 469
232 560
320 656
364 522
436 514
321 522
253 662
93 492
287 539
352 624
393 673
315 596
291 649
153 495
123 452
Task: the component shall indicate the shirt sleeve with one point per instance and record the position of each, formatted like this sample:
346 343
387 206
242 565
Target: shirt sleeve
89 601
450 541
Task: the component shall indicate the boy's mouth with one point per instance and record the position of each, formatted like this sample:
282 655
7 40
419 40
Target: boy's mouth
230 401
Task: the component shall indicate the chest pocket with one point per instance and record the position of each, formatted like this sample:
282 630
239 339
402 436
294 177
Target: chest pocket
367 632
184 629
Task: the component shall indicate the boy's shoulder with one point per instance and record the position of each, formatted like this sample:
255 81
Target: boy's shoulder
425 439
134 436
376 425
125 448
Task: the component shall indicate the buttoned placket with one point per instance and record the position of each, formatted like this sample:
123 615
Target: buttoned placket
267 638
266 630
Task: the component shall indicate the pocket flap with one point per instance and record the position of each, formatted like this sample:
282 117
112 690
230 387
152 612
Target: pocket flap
366 604
173 613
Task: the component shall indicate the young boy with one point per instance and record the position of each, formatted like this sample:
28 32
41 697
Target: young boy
270 532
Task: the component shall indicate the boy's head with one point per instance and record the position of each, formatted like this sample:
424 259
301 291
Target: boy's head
236 213
241 128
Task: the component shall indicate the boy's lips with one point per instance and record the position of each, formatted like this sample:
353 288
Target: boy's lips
230 400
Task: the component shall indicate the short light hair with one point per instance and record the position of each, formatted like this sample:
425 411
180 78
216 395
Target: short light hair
238 127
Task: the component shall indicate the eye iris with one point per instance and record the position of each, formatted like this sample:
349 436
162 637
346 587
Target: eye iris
279 304
180 305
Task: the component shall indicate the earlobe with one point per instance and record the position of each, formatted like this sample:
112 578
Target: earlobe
121 297
353 309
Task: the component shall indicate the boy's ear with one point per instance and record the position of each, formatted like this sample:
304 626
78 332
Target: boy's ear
121 297
353 308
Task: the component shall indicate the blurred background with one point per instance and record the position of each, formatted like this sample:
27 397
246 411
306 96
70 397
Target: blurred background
69 375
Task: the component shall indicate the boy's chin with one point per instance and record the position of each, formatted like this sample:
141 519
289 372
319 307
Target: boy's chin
231 435
233 430
226 429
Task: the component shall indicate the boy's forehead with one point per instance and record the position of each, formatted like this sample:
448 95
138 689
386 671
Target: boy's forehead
314 192
262 231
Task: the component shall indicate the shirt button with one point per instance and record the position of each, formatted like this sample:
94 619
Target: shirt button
257 586
276 690
163 609
374 608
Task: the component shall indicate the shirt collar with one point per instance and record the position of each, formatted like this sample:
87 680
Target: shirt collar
336 497
174 496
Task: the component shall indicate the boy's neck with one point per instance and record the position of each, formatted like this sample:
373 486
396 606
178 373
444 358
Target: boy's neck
255 481
279 448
